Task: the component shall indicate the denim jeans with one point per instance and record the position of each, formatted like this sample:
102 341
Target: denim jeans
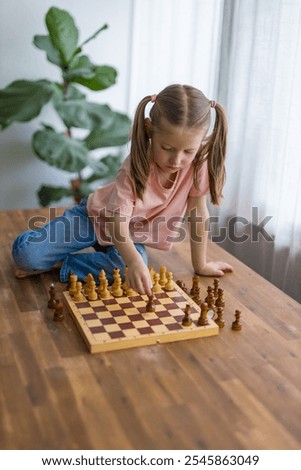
62 239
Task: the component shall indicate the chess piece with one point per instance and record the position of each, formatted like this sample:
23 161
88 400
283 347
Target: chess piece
105 293
163 278
73 281
236 325
130 292
220 298
116 288
102 280
210 301
92 294
150 307
169 284
52 300
58 312
79 296
203 320
88 279
215 288
157 289
195 289
187 319
220 317
116 277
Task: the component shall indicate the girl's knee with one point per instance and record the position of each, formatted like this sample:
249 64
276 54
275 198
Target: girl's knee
28 251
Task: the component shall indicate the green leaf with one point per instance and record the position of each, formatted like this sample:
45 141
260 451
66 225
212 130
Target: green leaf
60 151
48 194
103 77
23 100
105 26
63 33
79 67
114 134
45 44
107 167
82 114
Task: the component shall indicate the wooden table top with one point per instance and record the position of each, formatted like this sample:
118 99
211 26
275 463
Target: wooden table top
237 390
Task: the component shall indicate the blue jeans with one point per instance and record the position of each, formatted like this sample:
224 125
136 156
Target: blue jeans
62 239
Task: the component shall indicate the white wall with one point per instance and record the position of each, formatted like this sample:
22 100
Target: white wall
21 172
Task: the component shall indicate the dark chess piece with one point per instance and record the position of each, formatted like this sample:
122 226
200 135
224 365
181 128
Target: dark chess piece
236 325
187 319
58 313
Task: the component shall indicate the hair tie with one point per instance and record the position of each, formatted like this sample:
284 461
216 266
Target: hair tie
153 98
212 104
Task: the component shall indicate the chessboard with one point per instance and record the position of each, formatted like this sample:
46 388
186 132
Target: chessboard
122 322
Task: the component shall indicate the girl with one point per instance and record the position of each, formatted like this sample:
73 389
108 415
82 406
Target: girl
171 168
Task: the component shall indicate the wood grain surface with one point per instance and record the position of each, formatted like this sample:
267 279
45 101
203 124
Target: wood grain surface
237 390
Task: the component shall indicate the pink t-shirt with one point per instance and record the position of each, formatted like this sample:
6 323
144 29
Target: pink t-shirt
156 221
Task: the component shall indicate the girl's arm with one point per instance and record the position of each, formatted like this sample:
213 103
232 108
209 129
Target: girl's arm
198 218
138 276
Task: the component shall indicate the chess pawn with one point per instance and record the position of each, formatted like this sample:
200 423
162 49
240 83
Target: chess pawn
92 294
220 319
130 292
88 279
157 289
163 278
79 296
203 320
187 319
236 325
169 285
117 289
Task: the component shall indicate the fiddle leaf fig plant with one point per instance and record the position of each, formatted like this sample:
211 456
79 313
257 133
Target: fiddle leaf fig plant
23 100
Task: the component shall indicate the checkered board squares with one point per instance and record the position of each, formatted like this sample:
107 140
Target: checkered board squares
122 322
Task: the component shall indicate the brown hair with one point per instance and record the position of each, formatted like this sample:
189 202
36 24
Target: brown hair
180 105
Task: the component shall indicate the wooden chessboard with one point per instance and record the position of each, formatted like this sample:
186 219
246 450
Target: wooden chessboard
122 322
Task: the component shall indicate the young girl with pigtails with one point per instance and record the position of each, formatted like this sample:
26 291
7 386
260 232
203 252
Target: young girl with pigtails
172 166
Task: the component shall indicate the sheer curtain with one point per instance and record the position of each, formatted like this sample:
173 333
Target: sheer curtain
247 55
260 86
174 41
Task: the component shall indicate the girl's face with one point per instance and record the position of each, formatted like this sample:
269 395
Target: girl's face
174 148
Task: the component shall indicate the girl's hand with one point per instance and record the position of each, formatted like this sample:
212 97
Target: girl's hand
138 278
215 268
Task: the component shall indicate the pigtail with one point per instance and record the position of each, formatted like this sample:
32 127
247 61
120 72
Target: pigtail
140 163
214 151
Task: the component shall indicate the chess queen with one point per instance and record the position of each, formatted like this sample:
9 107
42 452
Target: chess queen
173 166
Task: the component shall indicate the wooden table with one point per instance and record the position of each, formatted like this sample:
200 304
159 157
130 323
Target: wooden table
237 390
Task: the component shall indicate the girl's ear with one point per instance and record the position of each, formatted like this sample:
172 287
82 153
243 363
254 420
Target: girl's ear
148 127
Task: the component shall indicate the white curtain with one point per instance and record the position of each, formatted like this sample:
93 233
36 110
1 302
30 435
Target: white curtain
260 86
174 41
247 55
